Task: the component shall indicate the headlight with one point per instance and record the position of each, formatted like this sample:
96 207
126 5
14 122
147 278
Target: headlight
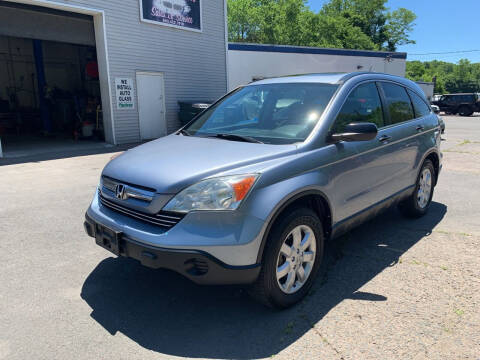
222 193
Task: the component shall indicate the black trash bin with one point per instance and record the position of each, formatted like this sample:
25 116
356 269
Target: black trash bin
189 109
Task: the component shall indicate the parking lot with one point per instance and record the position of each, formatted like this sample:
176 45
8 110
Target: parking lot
395 288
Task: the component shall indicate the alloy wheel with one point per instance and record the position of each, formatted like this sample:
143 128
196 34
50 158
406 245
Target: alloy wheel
296 259
424 188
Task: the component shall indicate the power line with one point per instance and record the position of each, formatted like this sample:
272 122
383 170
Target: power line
448 52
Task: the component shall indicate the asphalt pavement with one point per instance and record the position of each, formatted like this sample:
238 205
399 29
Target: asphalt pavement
394 289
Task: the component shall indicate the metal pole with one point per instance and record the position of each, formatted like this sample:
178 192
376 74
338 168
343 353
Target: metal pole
41 82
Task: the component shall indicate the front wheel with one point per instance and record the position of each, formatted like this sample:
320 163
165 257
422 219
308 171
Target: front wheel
417 204
292 258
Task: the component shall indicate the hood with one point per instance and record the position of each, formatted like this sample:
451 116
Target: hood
174 162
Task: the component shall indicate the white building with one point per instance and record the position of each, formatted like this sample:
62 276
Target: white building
247 62
59 59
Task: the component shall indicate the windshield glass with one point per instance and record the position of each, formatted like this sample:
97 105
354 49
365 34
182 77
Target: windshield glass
270 113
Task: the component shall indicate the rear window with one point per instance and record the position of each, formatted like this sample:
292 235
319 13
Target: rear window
398 103
419 106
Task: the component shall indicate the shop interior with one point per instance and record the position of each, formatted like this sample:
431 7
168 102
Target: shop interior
49 95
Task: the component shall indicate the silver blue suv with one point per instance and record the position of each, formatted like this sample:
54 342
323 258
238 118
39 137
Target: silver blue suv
251 189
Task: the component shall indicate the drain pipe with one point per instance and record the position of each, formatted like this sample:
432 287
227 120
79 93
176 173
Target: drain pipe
1 153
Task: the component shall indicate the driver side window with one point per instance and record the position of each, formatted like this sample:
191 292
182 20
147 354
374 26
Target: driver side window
362 105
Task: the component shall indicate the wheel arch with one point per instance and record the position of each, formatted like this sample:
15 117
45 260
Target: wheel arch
435 159
314 199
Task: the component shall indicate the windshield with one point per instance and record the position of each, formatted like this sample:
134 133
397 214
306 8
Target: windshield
270 113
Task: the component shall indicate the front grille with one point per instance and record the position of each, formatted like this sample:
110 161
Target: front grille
163 218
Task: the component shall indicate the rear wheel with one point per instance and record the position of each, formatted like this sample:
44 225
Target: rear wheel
418 203
292 258
465 111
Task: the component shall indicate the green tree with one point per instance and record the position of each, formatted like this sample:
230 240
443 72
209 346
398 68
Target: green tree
353 24
396 31
449 78
243 20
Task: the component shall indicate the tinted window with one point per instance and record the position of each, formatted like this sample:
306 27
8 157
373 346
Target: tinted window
421 109
398 103
362 105
281 113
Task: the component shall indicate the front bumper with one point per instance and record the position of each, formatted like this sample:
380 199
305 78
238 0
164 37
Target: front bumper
233 237
196 265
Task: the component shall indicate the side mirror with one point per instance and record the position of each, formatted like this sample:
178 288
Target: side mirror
361 131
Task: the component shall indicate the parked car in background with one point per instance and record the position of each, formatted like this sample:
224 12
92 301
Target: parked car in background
462 104
250 191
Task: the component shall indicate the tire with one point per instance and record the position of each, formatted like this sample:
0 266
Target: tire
465 111
273 288
417 204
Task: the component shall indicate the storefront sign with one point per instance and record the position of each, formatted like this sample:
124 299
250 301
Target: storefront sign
125 93
183 14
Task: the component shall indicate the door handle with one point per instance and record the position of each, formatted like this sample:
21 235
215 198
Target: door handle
384 138
420 127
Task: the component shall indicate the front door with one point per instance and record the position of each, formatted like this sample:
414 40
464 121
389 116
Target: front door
364 164
151 105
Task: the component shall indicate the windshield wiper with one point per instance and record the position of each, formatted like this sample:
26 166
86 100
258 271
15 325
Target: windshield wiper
184 132
236 137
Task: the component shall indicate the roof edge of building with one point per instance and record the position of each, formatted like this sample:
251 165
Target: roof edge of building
314 50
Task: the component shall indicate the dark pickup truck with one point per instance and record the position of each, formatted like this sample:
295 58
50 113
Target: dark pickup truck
462 104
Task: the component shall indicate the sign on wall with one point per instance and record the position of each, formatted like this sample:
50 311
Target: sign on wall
124 93
183 14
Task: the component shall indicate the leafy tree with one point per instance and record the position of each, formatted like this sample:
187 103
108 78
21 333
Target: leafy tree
449 78
399 25
353 24
243 20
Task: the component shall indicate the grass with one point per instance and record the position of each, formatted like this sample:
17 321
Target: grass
416 262
462 152
289 328
465 142
459 312
452 233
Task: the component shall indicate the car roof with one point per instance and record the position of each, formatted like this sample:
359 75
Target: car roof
324 78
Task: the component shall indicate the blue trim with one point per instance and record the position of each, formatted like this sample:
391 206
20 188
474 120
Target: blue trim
314 50
341 222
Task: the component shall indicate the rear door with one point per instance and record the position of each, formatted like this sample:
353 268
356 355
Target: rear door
399 139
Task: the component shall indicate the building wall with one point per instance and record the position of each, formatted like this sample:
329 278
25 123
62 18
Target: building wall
427 88
194 64
244 65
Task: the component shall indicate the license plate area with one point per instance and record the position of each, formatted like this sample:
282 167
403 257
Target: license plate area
108 239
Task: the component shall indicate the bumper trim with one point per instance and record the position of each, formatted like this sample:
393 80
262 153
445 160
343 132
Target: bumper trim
197 265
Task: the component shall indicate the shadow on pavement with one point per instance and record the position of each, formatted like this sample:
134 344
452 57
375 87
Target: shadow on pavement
166 313
63 154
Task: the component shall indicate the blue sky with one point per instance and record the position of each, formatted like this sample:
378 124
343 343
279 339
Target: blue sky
440 26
